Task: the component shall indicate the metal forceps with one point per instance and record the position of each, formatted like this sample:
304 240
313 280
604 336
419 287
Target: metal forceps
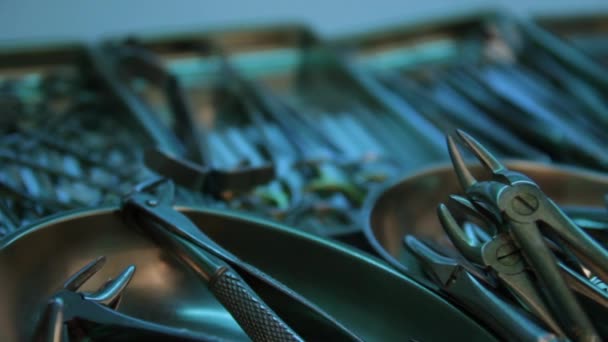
502 258
577 281
70 309
254 316
521 209
263 307
461 283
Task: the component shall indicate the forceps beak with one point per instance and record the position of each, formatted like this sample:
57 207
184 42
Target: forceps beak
441 268
487 159
465 178
84 274
111 292
51 325
469 248
484 156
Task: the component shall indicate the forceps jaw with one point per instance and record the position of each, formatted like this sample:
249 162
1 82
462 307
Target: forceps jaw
84 274
461 285
111 292
472 209
440 268
465 177
490 163
141 207
67 304
522 207
149 207
486 158
502 257
463 243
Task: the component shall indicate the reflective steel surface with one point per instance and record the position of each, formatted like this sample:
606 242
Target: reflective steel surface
359 291
409 206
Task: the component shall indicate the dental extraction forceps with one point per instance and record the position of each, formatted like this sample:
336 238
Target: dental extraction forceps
520 210
68 312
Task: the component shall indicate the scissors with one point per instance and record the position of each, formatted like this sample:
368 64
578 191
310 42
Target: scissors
520 210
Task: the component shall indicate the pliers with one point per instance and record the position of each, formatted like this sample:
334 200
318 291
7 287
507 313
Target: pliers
472 240
77 315
461 283
520 209
263 307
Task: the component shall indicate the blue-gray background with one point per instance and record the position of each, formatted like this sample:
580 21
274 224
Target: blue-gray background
88 19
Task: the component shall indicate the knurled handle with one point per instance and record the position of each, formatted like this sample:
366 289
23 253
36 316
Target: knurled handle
251 313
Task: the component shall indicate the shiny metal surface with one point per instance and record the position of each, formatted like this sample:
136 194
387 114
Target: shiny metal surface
359 291
409 206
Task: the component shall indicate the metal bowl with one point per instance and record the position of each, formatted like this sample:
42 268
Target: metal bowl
409 206
362 293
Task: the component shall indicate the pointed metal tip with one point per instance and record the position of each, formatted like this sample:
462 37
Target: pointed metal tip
412 243
448 222
442 207
129 272
460 200
465 204
458 237
445 216
84 274
126 275
423 251
462 133
465 177
486 158
113 288
437 266
416 247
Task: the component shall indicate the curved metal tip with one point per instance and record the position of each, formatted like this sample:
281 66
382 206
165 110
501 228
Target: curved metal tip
413 244
467 207
111 291
468 248
84 274
486 158
463 202
440 268
465 178
488 218
50 326
424 252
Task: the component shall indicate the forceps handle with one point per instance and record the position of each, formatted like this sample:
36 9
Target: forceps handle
492 310
589 251
544 264
253 315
